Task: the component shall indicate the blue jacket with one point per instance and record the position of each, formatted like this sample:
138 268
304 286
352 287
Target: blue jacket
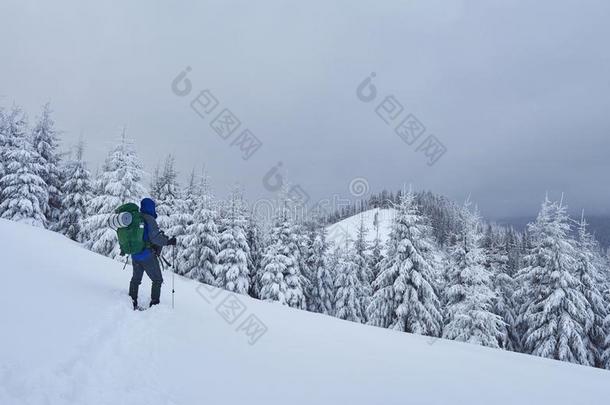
152 234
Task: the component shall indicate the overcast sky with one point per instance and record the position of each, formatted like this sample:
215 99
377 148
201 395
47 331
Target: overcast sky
517 91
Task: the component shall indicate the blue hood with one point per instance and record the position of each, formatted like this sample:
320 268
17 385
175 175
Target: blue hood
147 206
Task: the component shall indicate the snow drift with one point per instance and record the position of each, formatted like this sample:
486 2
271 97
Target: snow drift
69 336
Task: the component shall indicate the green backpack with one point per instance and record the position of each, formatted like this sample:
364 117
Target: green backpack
131 238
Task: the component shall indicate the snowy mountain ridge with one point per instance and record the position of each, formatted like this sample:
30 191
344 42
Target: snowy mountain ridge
377 221
70 337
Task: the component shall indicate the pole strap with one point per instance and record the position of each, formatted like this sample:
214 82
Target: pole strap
164 261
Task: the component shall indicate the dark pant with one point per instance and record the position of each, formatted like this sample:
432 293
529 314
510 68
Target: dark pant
153 271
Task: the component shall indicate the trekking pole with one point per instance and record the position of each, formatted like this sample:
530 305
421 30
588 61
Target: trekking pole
173 273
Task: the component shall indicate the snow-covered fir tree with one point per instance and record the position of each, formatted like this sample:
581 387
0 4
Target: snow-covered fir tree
201 241
166 192
363 262
469 314
349 289
323 290
504 287
221 212
513 246
376 254
405 295
232 272
46 142
605 360
296 281
75 197
333 259
605 289
23 192
305 238
555 315
256 252
155 183
274 266
181 218
3 143
282 254
590 267
118 183
604 350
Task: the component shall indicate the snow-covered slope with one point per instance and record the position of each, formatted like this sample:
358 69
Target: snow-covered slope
69 337
348 228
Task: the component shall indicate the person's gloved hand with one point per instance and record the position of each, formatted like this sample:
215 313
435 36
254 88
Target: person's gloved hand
172 241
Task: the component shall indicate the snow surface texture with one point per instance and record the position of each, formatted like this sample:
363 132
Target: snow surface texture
69 336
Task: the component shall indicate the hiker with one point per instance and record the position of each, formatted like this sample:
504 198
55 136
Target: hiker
147 260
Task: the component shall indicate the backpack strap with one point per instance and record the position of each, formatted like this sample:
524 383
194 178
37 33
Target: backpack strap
147 244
